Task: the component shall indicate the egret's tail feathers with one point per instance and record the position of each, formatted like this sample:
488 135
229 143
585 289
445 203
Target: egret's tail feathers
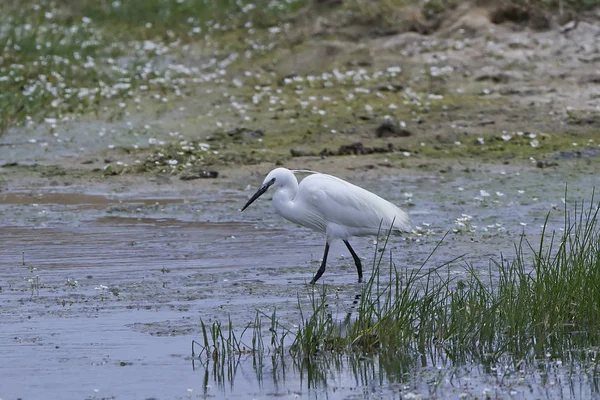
401 222
397 226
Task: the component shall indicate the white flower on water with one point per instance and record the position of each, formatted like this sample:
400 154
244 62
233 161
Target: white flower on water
463 224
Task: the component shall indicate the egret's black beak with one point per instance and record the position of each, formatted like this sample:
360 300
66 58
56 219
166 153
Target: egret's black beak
259 193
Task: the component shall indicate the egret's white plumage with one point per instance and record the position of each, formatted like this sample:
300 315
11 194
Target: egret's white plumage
333 206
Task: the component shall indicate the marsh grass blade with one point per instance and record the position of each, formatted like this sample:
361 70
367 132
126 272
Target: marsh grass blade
542 302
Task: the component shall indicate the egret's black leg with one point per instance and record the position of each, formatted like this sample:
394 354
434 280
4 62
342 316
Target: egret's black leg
356 260
323 263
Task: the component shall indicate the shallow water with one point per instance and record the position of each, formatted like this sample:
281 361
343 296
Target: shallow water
102 294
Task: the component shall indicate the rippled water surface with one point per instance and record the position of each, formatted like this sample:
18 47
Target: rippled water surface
102 294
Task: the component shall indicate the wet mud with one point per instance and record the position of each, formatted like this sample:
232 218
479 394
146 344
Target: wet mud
102 294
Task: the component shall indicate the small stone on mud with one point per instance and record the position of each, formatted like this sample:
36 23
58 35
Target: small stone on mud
546 164
584 121
497 77
245 133
531 16
391 129
354 148
329 2
200 174
392 87
590 78
362 168
301 153
583 153
358 148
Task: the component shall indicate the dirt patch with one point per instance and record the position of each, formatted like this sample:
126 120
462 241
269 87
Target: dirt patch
480 75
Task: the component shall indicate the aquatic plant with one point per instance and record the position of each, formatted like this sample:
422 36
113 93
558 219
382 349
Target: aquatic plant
543 302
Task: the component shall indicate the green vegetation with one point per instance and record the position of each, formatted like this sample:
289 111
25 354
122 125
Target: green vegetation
60 60
544 302
231 68
186 156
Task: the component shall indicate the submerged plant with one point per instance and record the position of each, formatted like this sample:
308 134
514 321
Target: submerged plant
544 302
34 280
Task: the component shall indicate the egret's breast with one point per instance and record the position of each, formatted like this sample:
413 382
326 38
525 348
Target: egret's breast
300 213
309 219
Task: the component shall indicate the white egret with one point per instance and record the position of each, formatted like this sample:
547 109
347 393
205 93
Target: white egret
333 206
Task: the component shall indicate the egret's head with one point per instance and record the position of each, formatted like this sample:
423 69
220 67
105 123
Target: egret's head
275 178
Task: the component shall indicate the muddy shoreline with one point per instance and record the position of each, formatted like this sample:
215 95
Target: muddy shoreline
113 285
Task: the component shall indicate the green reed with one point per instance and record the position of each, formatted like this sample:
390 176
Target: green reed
544 301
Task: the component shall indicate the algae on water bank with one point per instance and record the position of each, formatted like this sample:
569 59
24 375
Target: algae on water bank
266 84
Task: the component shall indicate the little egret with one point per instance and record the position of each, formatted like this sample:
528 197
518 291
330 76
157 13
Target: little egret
333 206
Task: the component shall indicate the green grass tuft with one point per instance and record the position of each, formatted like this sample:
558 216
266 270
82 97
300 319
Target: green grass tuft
544 302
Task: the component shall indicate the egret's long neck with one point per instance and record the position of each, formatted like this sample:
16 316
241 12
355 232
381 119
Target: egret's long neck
283 199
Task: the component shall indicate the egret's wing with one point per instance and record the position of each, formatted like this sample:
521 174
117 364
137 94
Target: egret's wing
342 203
